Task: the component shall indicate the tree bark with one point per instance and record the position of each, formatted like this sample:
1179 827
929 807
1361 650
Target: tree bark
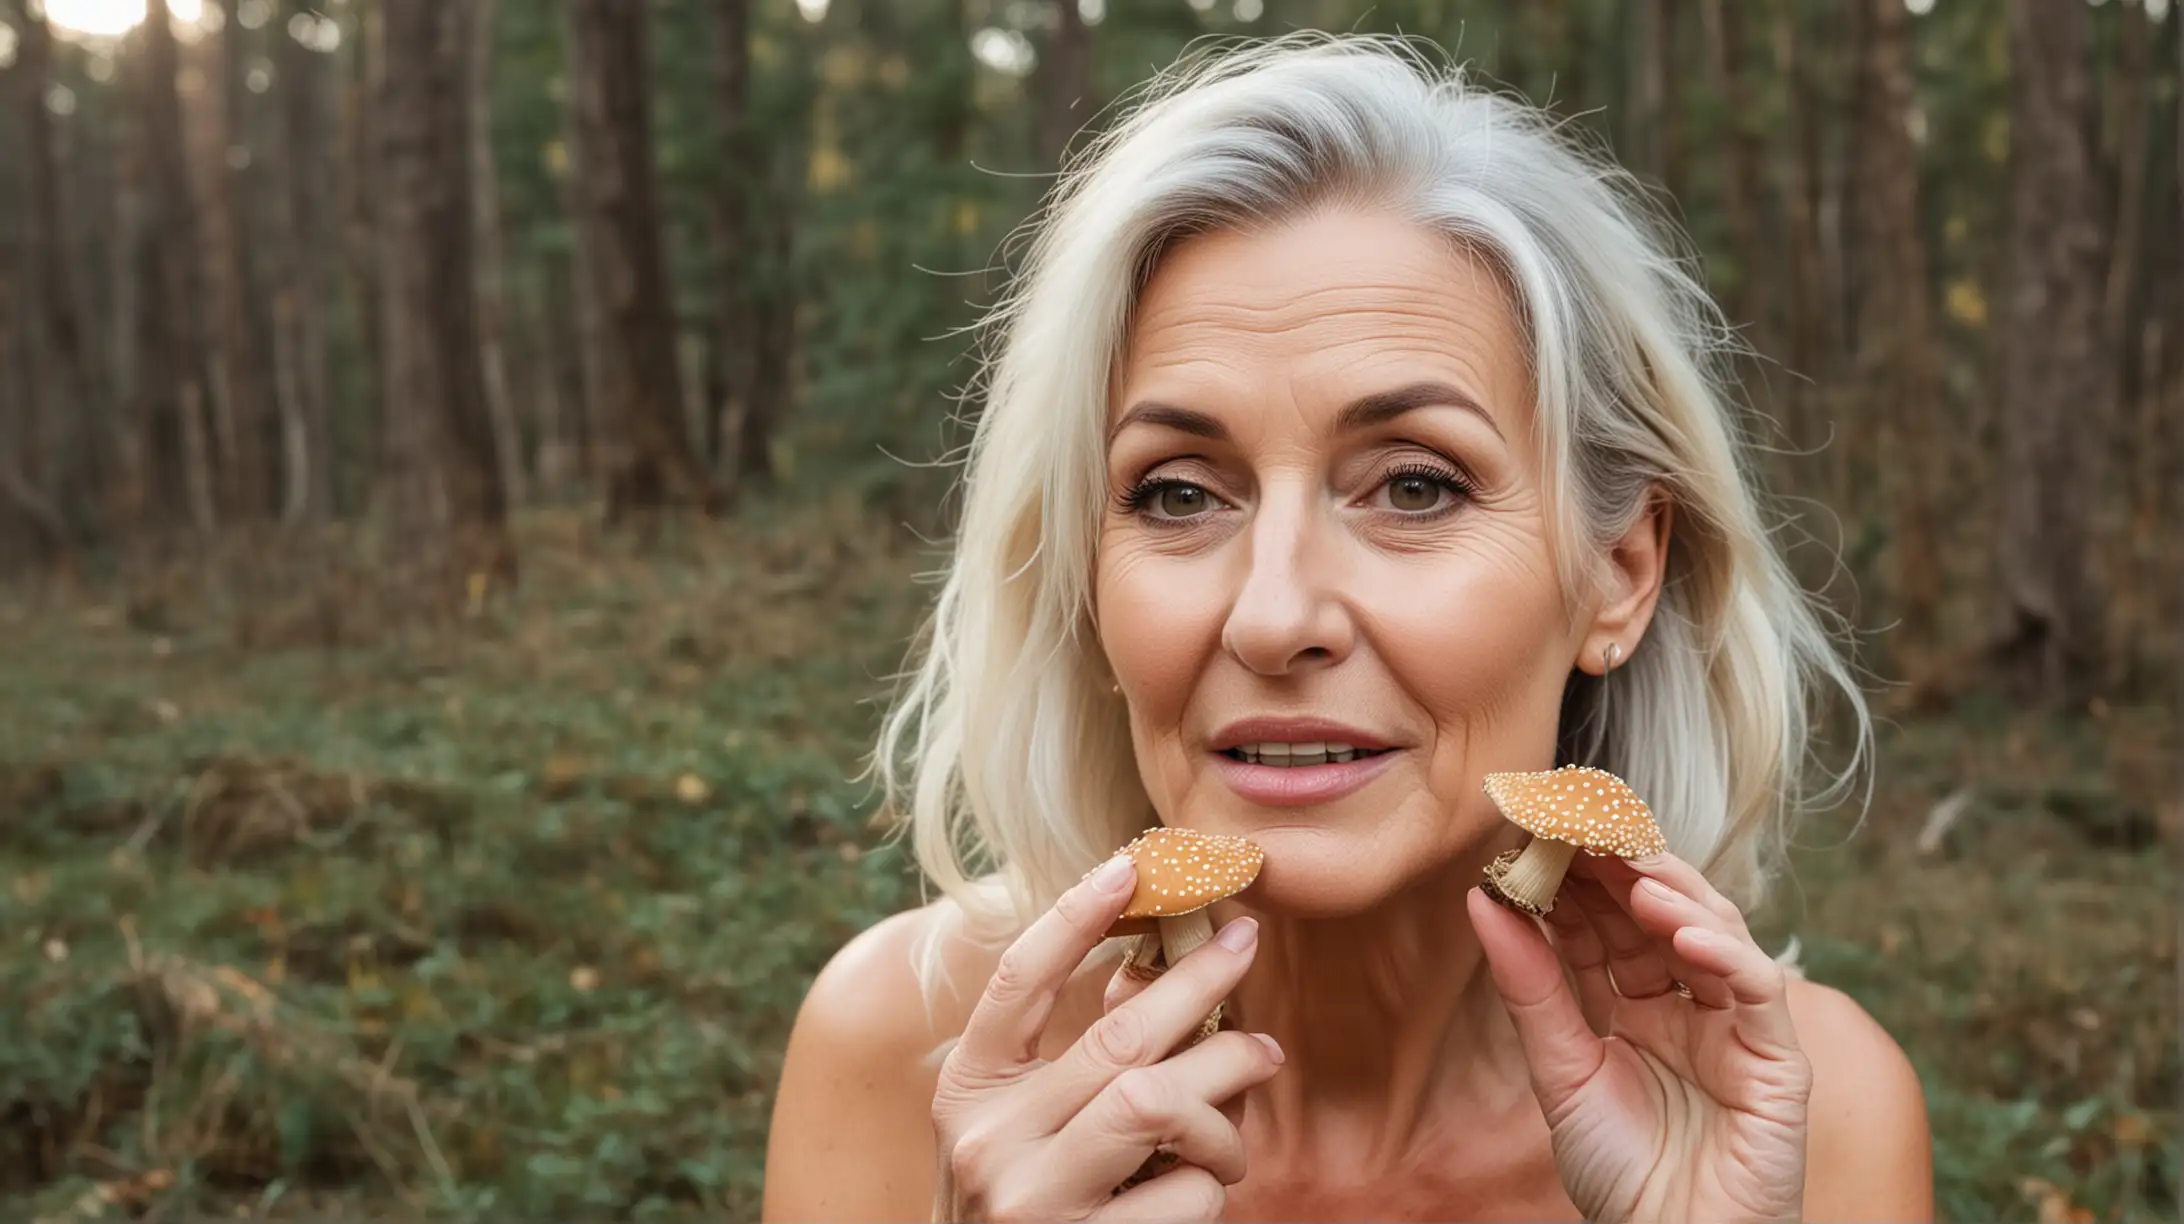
1900 376
733 266
1751 294
241 403
441 472
56 360
651 461
492 280
2052 371
1643 108
175 370
1065 81
300 307
360 138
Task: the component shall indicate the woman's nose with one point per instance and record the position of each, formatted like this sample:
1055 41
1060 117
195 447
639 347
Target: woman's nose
1287 615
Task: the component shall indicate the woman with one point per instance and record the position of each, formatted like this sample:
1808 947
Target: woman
1346 404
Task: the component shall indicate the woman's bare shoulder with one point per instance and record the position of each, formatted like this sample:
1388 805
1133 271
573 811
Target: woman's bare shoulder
1870 1152
851 1136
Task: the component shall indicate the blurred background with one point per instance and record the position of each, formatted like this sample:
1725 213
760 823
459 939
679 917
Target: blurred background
466 470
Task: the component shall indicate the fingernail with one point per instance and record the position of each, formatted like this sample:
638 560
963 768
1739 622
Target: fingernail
1238 936
1113 874
1658 889
1273 1047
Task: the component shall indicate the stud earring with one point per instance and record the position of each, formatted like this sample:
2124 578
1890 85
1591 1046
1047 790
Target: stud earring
1609 655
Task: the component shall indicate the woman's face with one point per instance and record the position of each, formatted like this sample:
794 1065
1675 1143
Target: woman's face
1325 526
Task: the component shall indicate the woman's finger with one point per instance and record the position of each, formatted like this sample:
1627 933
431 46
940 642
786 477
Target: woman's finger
1635 959
1172 1103
1560 1048
1004 1029
1755 982
1580 947
1183 1193
1134 974
1618 875
1664 913
1147 1028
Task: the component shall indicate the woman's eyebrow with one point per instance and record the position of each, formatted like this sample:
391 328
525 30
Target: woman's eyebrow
1366 411
1383 406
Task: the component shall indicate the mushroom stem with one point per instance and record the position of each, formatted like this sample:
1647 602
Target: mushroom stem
1528 879
1179 937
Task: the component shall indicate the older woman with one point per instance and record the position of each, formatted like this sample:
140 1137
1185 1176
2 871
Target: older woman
1345 403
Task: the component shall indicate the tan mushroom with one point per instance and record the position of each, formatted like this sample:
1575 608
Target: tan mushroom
1565 810
1180 874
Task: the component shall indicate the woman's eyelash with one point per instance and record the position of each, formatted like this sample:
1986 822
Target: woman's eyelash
1134 499
1454 480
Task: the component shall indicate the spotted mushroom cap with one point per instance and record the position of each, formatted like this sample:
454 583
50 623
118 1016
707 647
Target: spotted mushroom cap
1180 870
1590 808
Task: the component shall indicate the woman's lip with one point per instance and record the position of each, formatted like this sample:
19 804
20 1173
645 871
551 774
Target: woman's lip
1298 785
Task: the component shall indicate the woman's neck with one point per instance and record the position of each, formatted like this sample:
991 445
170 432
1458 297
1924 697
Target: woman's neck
1390 1025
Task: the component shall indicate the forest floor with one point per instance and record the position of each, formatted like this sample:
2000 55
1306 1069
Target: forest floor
305 913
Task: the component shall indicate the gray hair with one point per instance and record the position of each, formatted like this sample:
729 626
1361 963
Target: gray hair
1013 768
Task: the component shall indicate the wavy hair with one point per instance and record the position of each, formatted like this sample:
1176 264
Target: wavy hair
1002 755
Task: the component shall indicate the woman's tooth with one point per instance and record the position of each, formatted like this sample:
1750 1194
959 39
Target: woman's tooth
1333 748
1312 748
1342 757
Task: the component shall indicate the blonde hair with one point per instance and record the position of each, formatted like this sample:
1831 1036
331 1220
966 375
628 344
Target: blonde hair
1003 750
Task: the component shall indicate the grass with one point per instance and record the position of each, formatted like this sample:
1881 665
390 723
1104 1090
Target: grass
309 913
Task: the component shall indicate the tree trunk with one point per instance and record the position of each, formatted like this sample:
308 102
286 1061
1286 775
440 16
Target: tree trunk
441 472
733 266
18 490
1752 293
1805 291
360 139
240 401
299 305
2052 385
57 362
771 357
1648 86
492 286
651 461
175 371
1065 81
1899 372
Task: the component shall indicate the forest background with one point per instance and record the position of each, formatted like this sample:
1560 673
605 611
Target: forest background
467 465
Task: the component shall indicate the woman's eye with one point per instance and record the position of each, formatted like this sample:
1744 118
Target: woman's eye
1180 500
1413 493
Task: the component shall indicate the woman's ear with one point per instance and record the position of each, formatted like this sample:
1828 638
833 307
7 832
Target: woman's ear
1637 568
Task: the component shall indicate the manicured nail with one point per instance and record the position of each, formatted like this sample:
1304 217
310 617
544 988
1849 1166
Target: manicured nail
1238 936
1113 875
1657 889
1272 1046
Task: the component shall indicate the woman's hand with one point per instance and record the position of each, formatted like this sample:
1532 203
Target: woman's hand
1662 1105
1021 1138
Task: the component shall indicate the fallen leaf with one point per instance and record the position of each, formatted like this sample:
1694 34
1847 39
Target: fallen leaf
692 789
584 978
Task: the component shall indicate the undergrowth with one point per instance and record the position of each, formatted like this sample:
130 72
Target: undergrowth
310 911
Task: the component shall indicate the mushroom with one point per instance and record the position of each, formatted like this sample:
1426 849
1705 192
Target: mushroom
1565 810
1180 874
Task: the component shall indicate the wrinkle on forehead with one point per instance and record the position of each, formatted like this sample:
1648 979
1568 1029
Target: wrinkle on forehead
1326 295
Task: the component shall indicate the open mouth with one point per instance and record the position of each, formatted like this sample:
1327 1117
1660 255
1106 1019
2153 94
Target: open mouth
1295 756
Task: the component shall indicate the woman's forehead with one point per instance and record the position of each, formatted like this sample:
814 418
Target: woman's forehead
1334 304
